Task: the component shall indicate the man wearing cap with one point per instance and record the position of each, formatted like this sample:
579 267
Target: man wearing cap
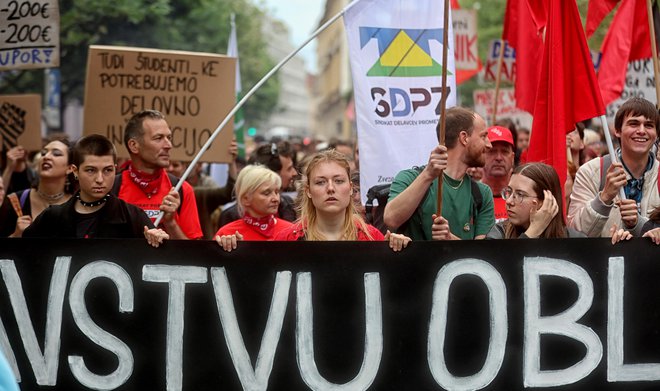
466 205
498 167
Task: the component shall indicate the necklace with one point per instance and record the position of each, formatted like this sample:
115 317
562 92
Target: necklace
93 203
50 198
445 176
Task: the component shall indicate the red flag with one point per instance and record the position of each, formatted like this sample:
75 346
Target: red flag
597 11
628 39
567 91
524 37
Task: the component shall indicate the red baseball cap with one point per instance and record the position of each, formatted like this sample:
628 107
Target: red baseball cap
500 133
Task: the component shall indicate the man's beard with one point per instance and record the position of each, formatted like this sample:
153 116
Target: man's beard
475 159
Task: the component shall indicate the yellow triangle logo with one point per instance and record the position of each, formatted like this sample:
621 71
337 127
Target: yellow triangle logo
404 52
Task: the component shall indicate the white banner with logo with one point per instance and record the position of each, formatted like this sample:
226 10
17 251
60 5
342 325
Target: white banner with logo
395 50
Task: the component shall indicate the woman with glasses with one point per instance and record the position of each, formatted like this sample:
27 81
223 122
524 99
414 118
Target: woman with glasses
534 206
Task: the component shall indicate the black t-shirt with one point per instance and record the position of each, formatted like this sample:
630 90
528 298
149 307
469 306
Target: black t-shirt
87 224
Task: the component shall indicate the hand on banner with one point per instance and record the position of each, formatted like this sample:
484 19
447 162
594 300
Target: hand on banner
654 234
629 214
440 228
397 241
540 218
620 234
616 178
21 223
229 242
155 236
437 161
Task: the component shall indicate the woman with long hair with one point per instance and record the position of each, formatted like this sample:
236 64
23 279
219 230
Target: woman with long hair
534 205
257 198
326 208
55 187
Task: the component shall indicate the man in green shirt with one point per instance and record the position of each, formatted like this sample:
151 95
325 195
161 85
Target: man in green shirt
412 203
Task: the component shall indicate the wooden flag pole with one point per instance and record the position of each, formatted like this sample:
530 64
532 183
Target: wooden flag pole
443 100
654 49
498 78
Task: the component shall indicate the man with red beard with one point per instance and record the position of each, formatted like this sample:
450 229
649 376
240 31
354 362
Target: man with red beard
498 167
412 204
146 183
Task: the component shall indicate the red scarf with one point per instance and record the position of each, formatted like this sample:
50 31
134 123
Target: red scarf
148 183
263 225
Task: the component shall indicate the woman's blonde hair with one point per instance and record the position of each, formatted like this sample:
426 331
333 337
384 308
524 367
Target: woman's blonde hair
250 179
307 211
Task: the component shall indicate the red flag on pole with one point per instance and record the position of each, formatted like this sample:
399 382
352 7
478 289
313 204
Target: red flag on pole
597 11
567 91
524 37
628 39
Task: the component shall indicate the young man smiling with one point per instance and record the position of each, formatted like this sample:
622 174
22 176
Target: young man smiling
595 205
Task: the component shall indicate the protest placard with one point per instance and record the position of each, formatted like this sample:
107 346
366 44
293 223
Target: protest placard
464 23
464 315
508 62
506 106
194 91
20 121
640 82
29 34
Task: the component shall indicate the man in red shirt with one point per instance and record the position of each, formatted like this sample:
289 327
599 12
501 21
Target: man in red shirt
499 166
146 183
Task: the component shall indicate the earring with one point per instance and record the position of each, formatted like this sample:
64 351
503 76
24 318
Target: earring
75 177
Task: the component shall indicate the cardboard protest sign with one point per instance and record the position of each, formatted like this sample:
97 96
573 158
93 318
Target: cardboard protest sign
460 315
30 34
193 90
20 121
506 106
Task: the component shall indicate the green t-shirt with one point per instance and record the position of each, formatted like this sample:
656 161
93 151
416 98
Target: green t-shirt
457 207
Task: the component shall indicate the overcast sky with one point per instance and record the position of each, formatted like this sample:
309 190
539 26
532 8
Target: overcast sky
302 18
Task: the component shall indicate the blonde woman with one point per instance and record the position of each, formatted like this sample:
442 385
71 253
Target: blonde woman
326 208
258 198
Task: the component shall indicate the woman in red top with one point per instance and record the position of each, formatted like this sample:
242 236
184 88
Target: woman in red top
257 197
326 208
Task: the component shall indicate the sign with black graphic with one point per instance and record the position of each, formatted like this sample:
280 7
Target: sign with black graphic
20 121
573 314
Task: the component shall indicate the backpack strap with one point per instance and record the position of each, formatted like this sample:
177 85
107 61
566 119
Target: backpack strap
477 197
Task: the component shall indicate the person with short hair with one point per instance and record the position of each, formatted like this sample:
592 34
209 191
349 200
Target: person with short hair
327 211
595 206
146 183
534 205
412 202
94 212
257 197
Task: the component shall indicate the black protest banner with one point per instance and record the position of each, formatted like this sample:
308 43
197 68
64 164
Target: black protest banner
498 315
30 34
194 91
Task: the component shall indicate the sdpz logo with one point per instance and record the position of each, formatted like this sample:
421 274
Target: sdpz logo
403 53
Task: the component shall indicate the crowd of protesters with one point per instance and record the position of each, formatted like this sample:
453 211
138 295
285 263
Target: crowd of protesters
286 190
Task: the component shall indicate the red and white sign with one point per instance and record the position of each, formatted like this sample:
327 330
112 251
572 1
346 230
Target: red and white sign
508 62
464 23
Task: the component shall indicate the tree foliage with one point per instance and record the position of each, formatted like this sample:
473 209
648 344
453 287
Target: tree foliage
192 25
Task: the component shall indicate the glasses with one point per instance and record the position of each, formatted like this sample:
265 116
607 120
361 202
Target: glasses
518 197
